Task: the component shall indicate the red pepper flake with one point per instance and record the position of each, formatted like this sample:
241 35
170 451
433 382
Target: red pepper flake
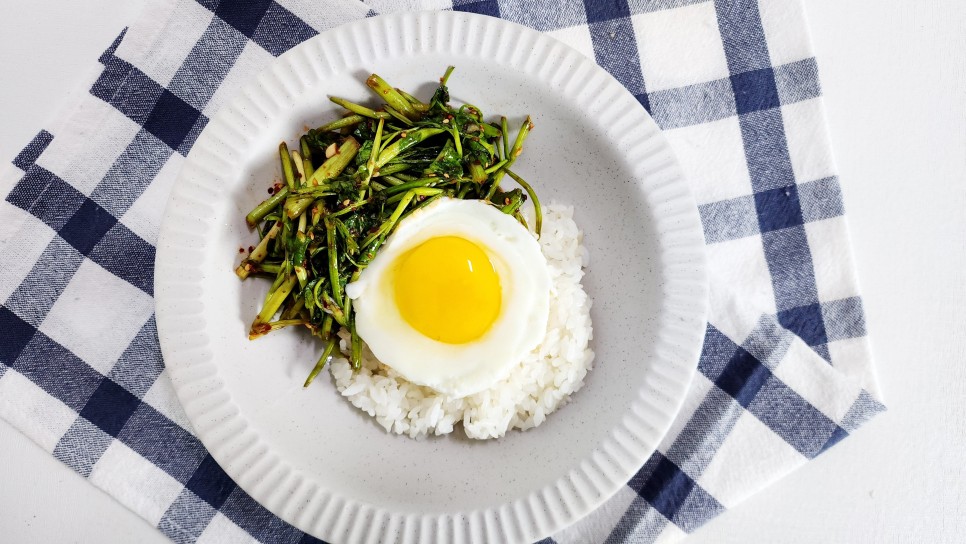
251 248
271 190
241 250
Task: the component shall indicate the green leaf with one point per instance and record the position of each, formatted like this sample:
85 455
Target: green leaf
447 163
362 157
478 149
440 101
318 141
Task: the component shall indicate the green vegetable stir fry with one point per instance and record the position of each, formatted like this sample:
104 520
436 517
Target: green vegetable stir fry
351 182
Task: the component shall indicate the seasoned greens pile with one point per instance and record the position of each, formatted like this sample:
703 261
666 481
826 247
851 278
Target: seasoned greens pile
351 182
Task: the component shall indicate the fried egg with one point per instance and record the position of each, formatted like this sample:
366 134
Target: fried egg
457 295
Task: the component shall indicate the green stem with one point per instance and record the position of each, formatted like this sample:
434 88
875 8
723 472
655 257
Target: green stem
511 157
306 157
496 166
399 116
418 105
334 165
537 210
456 141
266 207
390 223
418 191
358 109
371 164
391 169
272 305
326 353
259 253
445 78
351 246
267 268
333 260
412 138
403 187
296 205
264 328
355 346
504 129
293 310
512 202
350 208
331 307
477 172
391 180
347 121
300 178
391 96
286 166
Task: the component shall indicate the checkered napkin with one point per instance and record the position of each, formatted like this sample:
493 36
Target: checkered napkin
785 372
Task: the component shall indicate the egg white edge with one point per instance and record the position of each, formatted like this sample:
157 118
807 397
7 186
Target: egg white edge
458 370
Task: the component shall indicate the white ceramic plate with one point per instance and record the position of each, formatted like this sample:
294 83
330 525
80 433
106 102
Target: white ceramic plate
321 464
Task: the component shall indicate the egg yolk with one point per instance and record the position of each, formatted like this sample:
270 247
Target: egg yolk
446 288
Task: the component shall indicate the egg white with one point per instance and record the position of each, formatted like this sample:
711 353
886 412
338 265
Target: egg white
457 370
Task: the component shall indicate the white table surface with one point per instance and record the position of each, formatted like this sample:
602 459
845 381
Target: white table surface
894 76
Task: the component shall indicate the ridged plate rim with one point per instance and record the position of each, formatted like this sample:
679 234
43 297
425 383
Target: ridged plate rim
233 441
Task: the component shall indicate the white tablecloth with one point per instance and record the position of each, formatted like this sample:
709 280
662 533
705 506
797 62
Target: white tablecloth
895 88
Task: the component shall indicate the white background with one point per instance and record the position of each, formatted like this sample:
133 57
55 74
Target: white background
894 77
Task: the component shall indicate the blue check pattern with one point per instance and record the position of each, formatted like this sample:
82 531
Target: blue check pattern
785 364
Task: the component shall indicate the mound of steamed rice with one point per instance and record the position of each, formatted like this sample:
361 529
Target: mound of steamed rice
539 384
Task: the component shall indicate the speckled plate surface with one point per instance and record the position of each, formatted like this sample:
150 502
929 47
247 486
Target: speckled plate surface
324 466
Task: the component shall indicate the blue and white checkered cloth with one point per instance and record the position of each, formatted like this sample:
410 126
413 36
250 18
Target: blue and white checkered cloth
785 372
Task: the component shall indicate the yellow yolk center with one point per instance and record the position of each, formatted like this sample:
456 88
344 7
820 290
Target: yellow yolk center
446 289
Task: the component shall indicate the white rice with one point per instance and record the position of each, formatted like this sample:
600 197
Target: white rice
535 387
